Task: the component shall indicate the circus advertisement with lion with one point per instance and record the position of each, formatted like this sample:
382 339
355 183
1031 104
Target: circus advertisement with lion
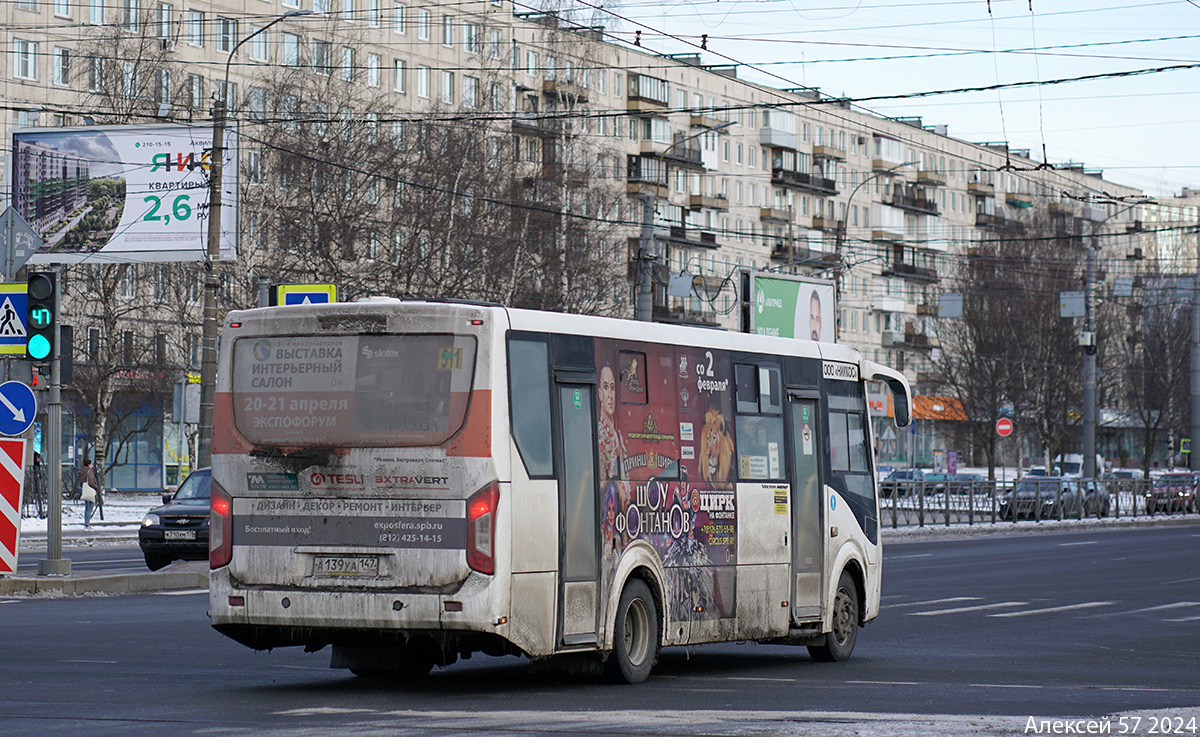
667 462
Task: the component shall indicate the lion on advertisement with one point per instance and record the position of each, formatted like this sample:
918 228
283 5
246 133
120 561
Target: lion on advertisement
716 448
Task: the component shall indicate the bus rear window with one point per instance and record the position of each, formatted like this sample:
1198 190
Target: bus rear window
369 390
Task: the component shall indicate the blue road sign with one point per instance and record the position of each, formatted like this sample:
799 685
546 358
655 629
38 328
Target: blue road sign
303 294
17 408
13 331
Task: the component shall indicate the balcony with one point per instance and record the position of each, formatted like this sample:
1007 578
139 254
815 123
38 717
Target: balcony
532 123
890 338
828 152
681 235
1062 207
883 165
820 222
564 90
927 309
685 155
991 222
711 202
778 138
796 180
908 271
931 177
700 120
884 303
1019 200
981 187
773 213
887 234
912 202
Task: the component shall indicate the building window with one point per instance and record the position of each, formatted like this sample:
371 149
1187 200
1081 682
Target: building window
226 34
164 20
373 13
291 50
494 43
291 3
400 82
373 70
347 64
131 15
321 7
164 87
448 87
258 45
470 90
531 63
471 38
195 91
195 28
398 18
24 59
423 25
447 31
62 66
348 10
422 81
321 61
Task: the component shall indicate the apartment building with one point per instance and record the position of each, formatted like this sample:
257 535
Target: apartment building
743 176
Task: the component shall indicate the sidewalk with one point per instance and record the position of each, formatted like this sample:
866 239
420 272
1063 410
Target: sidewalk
179 576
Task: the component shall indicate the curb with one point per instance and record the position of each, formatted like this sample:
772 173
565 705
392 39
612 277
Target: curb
108 583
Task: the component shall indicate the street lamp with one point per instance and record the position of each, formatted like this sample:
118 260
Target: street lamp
208 364
840 236
645 295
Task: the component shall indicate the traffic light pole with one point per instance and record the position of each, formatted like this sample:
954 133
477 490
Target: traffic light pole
54 564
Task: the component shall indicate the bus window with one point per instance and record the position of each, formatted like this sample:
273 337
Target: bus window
759 425
529 400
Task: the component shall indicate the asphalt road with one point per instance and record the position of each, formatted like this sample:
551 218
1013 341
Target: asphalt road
124 557
977 636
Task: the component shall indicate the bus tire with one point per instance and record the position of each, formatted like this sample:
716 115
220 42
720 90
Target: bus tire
635 635
839 641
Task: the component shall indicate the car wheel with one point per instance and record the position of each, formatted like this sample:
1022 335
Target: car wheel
636 637
155 562
839 641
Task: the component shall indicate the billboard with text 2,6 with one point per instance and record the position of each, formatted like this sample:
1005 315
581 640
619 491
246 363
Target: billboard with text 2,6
122 194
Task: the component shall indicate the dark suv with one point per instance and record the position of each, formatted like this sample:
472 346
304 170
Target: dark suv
178 530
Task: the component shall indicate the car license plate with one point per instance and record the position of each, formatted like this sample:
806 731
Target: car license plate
350 566
179 534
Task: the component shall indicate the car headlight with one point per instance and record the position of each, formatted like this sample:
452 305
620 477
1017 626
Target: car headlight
150 519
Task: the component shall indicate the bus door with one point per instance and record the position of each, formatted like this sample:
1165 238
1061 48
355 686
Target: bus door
577 504
808 554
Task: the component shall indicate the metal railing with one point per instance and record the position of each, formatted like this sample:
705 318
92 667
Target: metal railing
923 503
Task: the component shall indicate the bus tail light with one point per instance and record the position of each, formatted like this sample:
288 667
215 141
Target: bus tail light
481 526
220 527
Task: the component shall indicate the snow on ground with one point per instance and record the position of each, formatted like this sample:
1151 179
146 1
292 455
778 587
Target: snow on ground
122 511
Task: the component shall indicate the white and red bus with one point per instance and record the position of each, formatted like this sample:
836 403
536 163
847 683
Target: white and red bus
409 482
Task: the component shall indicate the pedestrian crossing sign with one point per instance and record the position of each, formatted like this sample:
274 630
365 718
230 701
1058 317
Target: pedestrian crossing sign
13 303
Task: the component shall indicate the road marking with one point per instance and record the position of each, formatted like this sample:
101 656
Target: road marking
186 592
1183 619
951 600
105 662
1160 607
961 609
887 683
1003 685
915 555
1050 610
1181 580
1067 545
771 680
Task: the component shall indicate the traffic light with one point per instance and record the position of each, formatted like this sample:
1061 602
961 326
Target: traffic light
42 294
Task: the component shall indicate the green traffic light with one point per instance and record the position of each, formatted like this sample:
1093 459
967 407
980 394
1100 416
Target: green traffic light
38 347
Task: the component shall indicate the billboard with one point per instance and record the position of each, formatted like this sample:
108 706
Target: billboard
792 307
122 194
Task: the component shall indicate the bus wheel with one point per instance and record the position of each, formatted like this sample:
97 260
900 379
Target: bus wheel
839 642
635 636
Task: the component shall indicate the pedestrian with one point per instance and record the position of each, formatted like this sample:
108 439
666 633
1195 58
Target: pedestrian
88 476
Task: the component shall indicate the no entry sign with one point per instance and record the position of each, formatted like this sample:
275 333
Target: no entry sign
1004 427
12 483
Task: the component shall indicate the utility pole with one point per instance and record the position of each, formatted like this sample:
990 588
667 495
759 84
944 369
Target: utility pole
646 254
1194 456
1088 341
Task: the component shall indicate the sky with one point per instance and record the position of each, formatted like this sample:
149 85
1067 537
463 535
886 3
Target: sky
1139 130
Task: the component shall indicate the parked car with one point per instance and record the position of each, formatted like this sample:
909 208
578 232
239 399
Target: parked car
178 530
1097 499
901 482
1124 474
1172 492
1041 497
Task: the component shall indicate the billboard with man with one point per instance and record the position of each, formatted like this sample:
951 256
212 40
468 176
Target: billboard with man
121 194
792 307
